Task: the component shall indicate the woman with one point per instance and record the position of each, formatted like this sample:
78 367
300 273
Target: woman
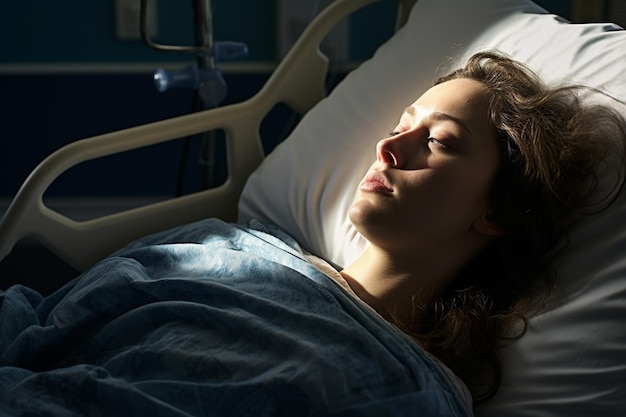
466 204
463 209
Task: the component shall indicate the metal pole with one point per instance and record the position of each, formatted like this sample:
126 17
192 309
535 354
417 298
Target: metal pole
206 60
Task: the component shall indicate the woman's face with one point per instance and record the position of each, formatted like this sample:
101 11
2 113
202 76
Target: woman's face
430 183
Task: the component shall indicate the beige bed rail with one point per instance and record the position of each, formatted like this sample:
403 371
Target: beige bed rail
82 243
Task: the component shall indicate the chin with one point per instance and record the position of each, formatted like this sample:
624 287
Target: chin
366 219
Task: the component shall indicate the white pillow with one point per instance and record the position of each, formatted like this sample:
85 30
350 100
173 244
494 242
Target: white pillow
572 362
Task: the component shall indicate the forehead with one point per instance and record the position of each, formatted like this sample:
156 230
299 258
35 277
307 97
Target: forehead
462 98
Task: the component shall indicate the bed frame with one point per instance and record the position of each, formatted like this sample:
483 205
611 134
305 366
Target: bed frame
72 241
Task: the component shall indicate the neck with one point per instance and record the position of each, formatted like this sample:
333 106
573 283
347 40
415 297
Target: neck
397 286
387 287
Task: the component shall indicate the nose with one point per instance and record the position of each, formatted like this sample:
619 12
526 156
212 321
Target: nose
384 152
400 151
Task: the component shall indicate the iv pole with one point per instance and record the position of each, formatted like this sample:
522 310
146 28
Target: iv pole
204 31
204 37
204 77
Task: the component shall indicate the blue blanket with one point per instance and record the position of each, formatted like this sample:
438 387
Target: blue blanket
210 319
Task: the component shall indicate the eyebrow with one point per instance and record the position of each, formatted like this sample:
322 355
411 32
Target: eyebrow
410 110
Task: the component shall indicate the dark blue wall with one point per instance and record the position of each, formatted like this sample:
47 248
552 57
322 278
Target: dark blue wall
84 31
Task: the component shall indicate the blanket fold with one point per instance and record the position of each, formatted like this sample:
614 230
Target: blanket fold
210 319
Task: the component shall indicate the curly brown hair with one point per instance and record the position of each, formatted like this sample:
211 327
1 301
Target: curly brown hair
552 144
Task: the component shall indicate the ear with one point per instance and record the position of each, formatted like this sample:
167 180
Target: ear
486 225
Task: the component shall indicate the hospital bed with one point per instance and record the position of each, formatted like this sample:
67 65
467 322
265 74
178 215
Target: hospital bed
572 361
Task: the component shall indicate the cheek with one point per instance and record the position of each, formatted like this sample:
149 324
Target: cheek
473 193
453 199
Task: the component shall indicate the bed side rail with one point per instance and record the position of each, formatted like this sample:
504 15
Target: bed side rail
82 243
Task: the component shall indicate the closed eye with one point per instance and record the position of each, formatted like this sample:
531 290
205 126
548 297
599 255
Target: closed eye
439 144
430 141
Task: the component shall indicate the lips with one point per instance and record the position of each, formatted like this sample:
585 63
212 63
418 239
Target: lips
376 182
